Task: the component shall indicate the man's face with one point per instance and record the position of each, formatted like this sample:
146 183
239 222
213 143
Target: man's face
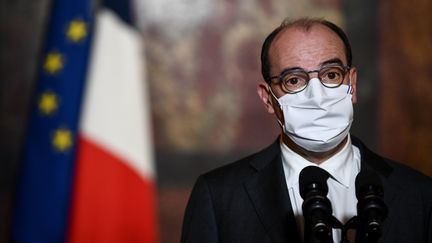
308 50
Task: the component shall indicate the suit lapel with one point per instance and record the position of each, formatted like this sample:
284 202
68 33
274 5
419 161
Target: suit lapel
372 161
268 192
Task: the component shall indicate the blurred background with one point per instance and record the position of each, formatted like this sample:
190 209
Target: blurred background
202 62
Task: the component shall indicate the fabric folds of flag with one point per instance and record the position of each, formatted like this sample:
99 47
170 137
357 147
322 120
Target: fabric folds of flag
114 191
87 170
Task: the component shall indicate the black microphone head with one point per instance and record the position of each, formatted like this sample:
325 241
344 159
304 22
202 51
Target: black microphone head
371 208
313 178
367 182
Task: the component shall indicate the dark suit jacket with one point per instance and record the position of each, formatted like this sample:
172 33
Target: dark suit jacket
248 201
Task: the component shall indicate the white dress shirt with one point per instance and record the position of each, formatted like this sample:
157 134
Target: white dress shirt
343 166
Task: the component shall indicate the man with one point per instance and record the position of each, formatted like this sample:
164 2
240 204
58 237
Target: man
310 85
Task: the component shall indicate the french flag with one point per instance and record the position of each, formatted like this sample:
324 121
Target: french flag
87 170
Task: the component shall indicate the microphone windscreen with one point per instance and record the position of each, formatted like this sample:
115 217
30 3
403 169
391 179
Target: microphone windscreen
313 176
367 180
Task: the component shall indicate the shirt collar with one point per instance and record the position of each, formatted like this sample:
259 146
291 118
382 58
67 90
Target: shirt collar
338 165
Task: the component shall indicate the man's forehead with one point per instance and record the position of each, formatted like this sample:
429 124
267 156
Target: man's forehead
294 37
294 33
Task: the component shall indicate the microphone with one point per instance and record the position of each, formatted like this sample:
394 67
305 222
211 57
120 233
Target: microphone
371 209
317 210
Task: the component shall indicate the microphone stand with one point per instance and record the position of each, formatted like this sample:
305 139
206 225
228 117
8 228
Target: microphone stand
351 224
336 224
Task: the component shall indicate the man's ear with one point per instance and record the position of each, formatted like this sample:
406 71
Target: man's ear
266 98
353 83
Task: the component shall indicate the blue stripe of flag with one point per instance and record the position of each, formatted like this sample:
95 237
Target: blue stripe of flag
44 191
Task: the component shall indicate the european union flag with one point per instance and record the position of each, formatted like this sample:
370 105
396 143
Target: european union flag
43 195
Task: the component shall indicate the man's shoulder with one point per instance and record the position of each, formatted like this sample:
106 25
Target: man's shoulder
240 169
397 176
408 181
396 172
408 177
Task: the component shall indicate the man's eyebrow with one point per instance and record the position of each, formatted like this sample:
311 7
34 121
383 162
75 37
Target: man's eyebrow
289 69
332 61
327 62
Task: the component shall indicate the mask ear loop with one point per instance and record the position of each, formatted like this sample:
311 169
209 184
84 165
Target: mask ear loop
350 89
270 91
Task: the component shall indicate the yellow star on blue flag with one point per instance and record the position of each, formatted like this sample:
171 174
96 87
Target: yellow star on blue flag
77 30
54 62
48 103
62 139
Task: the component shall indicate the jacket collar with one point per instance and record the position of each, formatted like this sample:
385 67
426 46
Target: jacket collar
261 159
370 160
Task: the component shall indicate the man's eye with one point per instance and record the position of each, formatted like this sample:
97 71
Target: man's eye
293 81
332 75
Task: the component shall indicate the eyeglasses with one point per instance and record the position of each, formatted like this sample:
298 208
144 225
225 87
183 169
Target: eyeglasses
295 80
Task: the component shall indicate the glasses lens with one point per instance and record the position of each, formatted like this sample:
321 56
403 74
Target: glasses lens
332 76
294 81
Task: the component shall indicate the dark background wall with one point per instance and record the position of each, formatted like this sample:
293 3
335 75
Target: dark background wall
21 34
203 67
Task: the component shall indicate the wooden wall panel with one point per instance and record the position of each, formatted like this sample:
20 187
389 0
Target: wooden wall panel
405 120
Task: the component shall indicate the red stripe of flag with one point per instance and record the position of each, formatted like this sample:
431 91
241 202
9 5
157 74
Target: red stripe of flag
112 203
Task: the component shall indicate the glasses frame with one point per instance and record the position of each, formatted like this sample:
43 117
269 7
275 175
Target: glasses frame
281 77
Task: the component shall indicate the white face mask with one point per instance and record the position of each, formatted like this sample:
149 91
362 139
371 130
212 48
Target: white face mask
317 118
